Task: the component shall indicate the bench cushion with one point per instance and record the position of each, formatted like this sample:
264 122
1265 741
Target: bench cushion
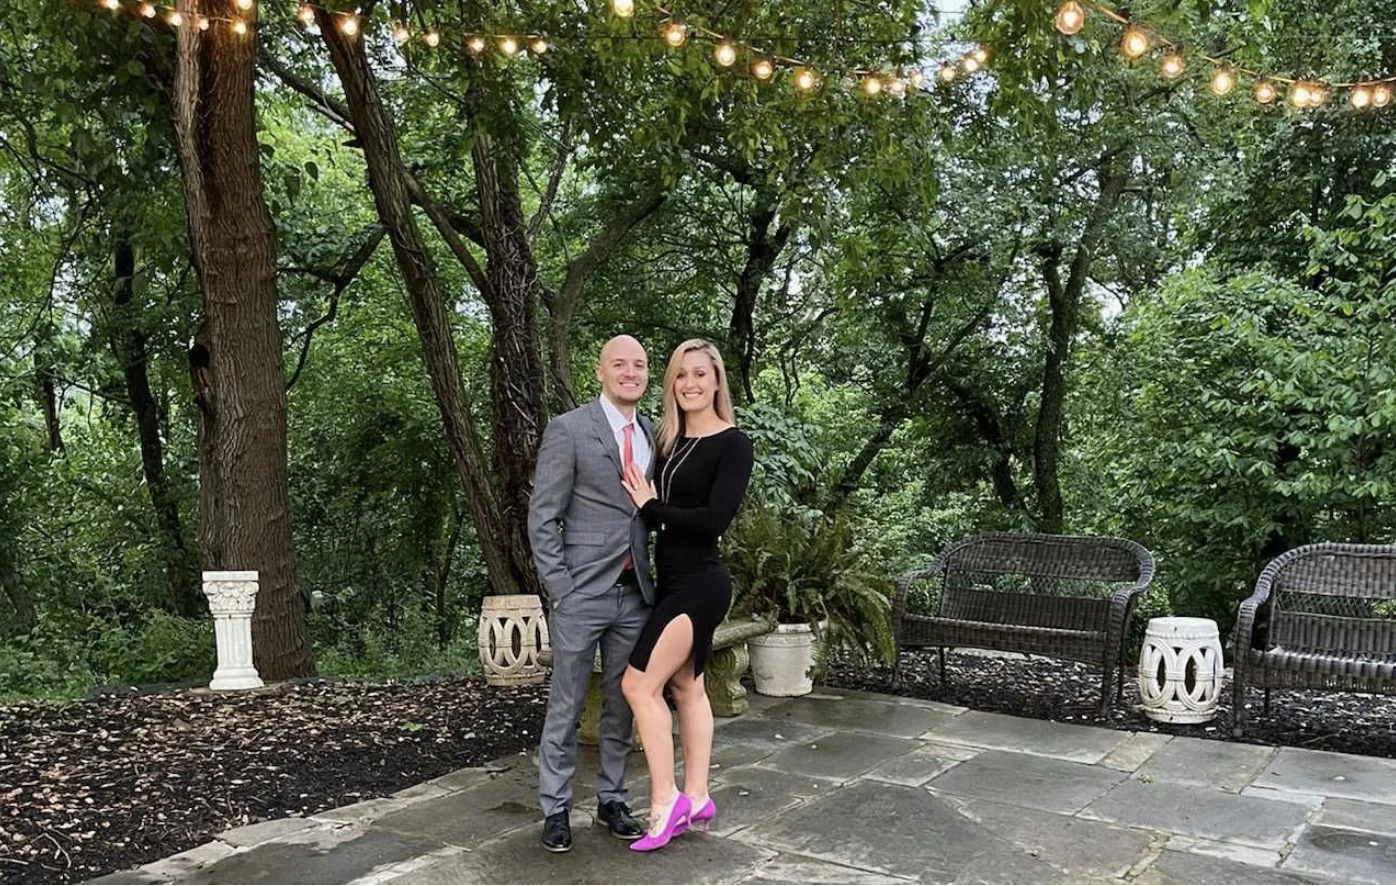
921 630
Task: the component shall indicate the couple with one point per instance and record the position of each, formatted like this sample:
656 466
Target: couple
604 480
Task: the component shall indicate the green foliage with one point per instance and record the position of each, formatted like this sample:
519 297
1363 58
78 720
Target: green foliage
408 648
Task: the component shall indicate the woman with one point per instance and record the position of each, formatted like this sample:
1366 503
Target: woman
700 476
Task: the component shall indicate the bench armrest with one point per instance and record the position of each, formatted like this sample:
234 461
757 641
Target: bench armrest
934 568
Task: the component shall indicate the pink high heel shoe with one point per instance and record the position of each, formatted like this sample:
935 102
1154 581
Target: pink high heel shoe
702 819
678 817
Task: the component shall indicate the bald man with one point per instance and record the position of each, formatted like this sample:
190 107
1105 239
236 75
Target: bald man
589 545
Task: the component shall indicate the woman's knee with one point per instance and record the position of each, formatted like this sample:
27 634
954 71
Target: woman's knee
634 685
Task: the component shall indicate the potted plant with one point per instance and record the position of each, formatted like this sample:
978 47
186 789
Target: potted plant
802 570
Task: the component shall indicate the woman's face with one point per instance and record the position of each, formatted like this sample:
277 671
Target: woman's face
696 384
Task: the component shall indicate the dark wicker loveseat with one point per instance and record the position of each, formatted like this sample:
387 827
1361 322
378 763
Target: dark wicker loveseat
1054 595
1322 617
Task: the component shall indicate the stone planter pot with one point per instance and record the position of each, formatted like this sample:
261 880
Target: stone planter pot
781 660
512 633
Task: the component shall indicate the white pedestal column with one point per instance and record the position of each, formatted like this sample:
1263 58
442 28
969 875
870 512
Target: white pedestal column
232 596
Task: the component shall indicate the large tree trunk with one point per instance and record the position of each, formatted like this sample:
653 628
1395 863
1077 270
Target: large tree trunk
236 360
128 344
516 351
509 573
763 247
1065 301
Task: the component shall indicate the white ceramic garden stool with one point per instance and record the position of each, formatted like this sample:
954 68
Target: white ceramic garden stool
512 633
1180 670
232 598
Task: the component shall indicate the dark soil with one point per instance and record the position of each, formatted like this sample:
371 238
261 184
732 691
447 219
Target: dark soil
1048 689
118 781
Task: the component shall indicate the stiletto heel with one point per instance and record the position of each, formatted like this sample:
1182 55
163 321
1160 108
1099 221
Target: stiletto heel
678 817
702 820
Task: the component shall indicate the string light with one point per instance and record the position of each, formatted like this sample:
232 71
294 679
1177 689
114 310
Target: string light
1265 92
1135 42
623 8
916 79
539 45
1223 81
980 55
349 25
1300 96
897 86
113 5
762 69
239 27
1361 98
872 85
175 19
805 79
244 5
725 54
306 13
947 72
971 64
400 33
148 10
1318 94
675 33
1173 66
1070 18
508 46
202 22
475 45
1381 95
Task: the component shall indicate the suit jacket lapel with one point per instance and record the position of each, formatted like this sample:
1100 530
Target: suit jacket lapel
607 437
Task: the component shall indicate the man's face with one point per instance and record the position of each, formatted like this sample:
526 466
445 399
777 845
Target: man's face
623 371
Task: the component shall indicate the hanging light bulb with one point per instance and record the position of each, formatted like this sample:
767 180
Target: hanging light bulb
508 45
1361 97
1381 95
896 86
202 22
1265 92
675 33
174 18
400 33
980 55
476 44
539 45
305 13
1173 66
872 84
432 39
244 5
148 10
623 8
971 64
1223 81
239 27
113 5
1300 95
725 54
349 25
762 69
1135 42
916 78
1318 94
805 80
1070 17
947 72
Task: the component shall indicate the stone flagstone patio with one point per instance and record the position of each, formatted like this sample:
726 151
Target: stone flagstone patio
848 787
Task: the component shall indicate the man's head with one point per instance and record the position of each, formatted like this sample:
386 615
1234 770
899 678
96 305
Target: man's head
623 371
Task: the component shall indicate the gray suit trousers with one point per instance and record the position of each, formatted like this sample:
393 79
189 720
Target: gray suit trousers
581 621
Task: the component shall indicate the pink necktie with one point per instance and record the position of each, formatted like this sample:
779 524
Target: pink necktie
627 452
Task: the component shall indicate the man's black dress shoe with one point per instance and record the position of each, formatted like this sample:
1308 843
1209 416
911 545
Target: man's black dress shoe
616 816
557 832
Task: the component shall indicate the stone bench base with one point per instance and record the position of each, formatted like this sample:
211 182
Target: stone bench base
722 677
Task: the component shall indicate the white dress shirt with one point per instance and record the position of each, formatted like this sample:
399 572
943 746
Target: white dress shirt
639 442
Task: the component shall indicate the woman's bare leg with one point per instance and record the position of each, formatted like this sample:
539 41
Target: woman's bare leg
644 690
695 730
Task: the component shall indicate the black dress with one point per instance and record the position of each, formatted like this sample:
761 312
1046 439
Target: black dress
699 485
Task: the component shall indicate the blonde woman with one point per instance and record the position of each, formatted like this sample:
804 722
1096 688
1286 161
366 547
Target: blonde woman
700 477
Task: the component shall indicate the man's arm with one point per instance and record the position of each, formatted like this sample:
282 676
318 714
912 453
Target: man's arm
552 493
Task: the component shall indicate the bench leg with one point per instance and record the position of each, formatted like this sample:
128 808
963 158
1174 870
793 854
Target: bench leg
941 651
1267 701
723 677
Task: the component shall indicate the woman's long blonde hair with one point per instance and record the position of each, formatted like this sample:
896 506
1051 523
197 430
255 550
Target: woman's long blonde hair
671 425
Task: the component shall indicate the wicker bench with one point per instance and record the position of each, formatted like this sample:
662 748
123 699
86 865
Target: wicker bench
722 677
1060 596
1322 617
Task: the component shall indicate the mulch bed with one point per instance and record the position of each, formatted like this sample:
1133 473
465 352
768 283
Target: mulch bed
1068 692
117 781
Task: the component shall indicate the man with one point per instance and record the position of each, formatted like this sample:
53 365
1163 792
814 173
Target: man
590 548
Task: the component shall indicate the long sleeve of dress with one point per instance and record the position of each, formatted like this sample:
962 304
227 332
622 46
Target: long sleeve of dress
729 486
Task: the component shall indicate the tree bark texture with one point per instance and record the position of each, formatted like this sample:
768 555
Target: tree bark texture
236 360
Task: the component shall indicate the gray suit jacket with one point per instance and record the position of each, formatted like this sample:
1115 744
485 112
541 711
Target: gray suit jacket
581 521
